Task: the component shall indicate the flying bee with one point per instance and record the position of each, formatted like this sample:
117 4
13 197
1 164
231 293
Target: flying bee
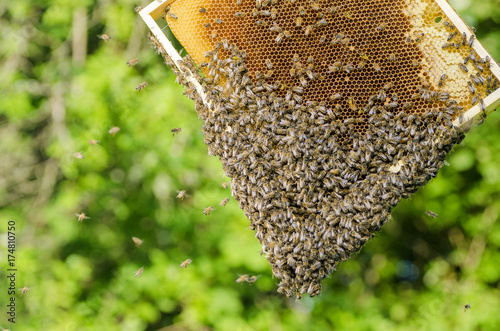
78 155
137 241
82 217
114 130
224 185
224 202
104 37
208 210
242 278
431 214
93 142
24 290
139 272
182 194
132 62
252 279
442 79
467 307
141 86
137 9
185 263
175 131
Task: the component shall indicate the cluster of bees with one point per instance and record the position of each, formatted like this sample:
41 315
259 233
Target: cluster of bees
320 147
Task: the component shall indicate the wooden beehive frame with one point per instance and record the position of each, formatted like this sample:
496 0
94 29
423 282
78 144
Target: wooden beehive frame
156 9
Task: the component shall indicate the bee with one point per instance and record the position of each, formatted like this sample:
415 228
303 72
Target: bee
464 38
451 36
114 130
224 185
472 89
475 99
392 57
141 86
448 25
185 263
352 104
416 63
242 278
431 214
240 14
104 37
172 15
309 29
347 15
442 79
182 194
280 37
302 11
273 13
467 307
203 10
471 40
239 2
447 45
208 210
176 130
137 241
93 142
78 155
224 202
376 67
82 217
137 9
252 279
382 26
218 21
463 67
361 65
139 272
132 62
322 39
482 106
24 290
478 67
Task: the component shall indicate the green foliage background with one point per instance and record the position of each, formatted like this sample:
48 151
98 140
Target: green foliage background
56 94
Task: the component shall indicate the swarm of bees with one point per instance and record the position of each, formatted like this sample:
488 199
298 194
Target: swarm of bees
321 141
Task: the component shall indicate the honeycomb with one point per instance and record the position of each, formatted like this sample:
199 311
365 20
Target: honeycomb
325 114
